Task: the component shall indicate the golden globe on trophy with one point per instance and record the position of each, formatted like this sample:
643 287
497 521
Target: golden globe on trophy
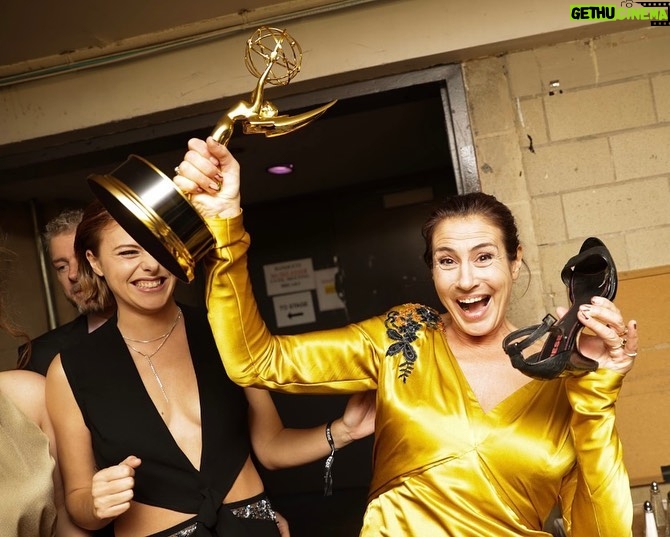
150 207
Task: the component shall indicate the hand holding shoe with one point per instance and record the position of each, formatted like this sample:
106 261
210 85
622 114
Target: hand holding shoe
615 343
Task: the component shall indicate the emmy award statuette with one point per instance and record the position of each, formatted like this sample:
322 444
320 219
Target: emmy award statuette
148 205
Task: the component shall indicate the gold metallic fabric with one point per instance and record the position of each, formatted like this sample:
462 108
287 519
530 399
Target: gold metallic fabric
26 476
442 466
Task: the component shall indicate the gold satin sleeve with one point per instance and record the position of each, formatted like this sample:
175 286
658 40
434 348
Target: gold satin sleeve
252 356
601 503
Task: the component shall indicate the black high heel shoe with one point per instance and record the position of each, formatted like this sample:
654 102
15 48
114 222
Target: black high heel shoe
590 273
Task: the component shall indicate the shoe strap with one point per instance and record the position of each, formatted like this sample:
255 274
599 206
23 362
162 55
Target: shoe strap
533 333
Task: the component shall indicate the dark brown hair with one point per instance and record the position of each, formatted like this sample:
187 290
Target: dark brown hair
473 204
89 235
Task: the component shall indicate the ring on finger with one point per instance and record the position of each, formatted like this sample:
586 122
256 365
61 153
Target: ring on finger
177 171
622 334
620 345
631 354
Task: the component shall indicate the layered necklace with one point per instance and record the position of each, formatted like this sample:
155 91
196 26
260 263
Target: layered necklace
163 339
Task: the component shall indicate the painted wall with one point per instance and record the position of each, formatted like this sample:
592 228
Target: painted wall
357 43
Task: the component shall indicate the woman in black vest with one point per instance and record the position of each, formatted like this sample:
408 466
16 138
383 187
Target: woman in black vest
153 435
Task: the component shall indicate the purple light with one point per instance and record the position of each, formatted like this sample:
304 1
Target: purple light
280 169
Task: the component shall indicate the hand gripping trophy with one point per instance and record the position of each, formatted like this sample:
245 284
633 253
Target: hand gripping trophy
148 205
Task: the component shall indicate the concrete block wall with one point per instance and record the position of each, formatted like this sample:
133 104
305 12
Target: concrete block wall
574 137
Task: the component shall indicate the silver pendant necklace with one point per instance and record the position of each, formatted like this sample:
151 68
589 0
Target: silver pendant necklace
148 357
164 336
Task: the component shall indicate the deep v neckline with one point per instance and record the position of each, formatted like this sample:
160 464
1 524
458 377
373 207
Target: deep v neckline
509 403
155 412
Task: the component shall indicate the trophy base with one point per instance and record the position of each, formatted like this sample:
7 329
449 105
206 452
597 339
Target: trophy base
155 213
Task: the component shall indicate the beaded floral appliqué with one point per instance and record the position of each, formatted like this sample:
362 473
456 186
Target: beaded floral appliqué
402 326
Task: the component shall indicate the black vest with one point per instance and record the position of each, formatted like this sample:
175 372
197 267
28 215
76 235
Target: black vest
123 420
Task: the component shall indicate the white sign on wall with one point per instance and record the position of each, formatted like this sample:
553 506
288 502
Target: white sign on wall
289 276
326 292
294 309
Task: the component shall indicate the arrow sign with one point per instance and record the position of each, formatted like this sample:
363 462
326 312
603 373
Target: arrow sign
294 309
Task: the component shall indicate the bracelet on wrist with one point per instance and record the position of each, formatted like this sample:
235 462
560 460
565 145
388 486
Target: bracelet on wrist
328 472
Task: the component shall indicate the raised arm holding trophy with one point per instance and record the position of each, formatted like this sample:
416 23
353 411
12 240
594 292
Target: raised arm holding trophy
148 205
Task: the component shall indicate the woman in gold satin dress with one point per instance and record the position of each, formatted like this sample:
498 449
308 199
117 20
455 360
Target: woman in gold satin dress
465 445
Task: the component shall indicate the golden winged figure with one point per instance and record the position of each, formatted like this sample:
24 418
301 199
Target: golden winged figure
259 116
